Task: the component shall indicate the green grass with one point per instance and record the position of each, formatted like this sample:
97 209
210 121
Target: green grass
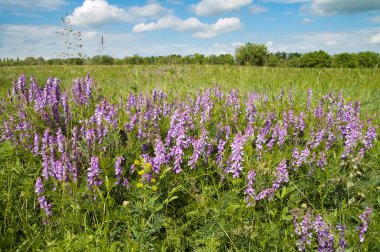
362 84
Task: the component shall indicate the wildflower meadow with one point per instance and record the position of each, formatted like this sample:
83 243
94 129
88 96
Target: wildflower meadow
87 166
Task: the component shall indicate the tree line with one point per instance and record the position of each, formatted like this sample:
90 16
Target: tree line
250 54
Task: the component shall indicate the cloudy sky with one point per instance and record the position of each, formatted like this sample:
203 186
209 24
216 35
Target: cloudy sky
163 27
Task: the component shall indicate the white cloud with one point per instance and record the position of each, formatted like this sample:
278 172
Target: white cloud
98 12
375 19
307 20
332 42
215 7
237 44
198 29
269 44
36 4
375 39
255 9
221 46
27 40
326 7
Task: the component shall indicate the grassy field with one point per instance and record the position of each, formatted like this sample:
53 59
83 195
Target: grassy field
362 84
189 158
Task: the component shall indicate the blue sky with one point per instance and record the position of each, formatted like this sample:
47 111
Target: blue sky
163 27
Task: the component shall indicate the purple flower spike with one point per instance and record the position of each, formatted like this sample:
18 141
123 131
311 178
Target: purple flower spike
60 141
36 144
160 155
39 189
44 205
118 169
198 146
369 137
220 154
342 241
306 234
325 238
282 176
236 158
250 192
365 218
93 172
265 193
297 228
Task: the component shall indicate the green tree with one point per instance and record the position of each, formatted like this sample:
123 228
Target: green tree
274 60
102 60
252 54
316 59
368 59
346 60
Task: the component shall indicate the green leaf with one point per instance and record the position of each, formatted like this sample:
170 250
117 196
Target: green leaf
285 216
283 192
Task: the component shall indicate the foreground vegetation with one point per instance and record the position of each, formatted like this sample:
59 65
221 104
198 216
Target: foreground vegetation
189 158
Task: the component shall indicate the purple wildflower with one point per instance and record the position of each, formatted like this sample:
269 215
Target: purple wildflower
126 183
177 152
66 108
198 146
319 112
33 90
88 87
264 131
330 140
118 169
365 217
251 111
282 133
45 165
250 192
8 135
330 118
44 205
93 172
282 176
325 238
160 155
318 138
297 228
265 193
60 141
342 241
369 137
352 135
300 125
305 154
236 158
322 162
36 144
306 234
220 154
39 189
58 170
296 158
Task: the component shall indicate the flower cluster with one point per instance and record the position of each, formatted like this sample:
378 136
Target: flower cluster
227 132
